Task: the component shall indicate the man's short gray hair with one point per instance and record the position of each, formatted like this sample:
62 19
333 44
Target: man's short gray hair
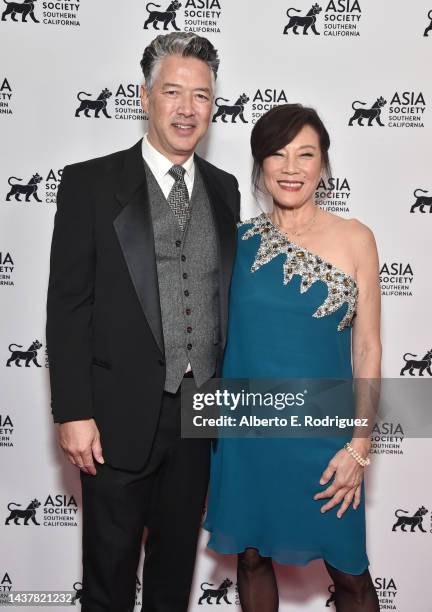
177 43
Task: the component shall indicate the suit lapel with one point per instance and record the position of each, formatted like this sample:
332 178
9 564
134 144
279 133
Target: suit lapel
134 229
226 237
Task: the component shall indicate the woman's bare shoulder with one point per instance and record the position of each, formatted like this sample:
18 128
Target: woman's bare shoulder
359 232
353 229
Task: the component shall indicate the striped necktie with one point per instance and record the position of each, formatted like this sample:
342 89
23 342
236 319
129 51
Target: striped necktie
178 197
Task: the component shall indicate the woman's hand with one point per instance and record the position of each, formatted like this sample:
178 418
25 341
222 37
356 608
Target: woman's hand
346 485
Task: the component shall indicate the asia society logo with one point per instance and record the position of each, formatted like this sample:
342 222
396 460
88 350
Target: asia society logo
5 97
6 431
387 591
22 517
236 109
77 587
331 589
199 16
429 27
333 194
396 279
95 106
233 111
30 190
371 114
421 202
385 588
126 102
211 594
7 268
137 591
167 17
414 521
415 366
28 356
387 439
405 110
24 9
53 13
5 587
58 511
340 17
304 22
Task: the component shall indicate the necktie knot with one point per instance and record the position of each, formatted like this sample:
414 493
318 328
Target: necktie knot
177 172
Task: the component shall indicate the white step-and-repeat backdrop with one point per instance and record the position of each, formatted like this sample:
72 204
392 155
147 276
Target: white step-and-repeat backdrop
365 66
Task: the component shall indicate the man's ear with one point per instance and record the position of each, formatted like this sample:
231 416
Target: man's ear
144 98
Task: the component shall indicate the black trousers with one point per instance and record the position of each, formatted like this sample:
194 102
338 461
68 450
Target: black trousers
167 496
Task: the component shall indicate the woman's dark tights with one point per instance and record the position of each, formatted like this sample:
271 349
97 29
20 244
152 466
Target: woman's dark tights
256 582
258 590
353 593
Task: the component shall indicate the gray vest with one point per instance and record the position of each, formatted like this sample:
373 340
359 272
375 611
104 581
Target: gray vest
187 268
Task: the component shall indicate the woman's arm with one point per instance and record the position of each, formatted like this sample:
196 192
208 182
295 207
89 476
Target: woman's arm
366 357
366 341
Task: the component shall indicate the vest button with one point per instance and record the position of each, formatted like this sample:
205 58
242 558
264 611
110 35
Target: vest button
186 292
188 311
178 243
189 346
189 329
183 257
185 275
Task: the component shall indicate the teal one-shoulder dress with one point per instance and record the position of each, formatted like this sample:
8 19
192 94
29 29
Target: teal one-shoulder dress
290 316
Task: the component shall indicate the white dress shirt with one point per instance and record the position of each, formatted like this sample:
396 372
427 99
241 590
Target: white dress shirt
160 165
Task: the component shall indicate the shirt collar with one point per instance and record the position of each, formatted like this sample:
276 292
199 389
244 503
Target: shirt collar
159 164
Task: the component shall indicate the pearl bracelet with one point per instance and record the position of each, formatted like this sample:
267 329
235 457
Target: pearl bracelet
352 451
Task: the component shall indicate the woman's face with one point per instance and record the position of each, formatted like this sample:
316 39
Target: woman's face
292 174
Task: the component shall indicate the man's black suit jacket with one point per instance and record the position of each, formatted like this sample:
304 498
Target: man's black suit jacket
104 331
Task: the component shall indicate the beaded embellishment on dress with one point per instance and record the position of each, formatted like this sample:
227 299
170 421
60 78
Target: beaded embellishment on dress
342 288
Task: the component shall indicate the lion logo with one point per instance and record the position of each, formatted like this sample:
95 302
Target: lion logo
414 521
97 105
29 189
421 202
29 355
305 22
25 8
168 16
417 364
236 110
429 28
332 592
77 587
28 514
218 594
368 113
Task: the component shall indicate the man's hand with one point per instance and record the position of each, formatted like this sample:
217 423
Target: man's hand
80 441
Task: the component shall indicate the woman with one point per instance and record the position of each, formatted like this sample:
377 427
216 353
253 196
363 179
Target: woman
300 277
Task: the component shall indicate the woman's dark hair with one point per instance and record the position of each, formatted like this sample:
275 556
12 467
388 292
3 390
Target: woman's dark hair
278 127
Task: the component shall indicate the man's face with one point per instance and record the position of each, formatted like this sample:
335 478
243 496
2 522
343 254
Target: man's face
179 105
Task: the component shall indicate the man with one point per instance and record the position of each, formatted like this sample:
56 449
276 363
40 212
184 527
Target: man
141 260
